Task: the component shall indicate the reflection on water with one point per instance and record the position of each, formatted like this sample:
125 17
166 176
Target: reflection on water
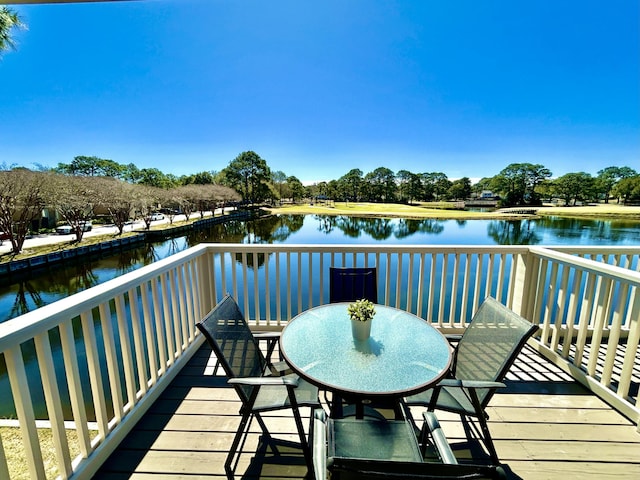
513 232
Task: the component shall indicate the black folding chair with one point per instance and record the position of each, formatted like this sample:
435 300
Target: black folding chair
260 385
482 358
349 449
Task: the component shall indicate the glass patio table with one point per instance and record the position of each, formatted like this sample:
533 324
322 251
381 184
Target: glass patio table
403 355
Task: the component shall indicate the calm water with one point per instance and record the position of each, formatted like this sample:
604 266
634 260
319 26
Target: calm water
20 295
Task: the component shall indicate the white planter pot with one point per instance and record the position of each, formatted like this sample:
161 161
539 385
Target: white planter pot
360 330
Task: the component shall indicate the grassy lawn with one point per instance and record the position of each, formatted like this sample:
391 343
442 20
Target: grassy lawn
444 211
56 247
362 209
15 452
603 211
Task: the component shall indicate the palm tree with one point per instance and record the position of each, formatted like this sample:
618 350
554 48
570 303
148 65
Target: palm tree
8 20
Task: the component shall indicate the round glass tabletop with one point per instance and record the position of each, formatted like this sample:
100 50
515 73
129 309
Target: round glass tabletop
403 355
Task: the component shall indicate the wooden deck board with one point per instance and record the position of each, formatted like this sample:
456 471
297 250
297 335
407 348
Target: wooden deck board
545 426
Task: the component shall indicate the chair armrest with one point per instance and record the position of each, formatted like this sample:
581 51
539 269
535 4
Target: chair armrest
290 381
269 336
455 383
319 444
432 427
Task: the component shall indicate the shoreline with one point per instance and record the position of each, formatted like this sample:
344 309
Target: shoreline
55 244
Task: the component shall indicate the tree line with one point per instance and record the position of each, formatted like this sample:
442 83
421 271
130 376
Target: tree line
516 185
77 199
87 184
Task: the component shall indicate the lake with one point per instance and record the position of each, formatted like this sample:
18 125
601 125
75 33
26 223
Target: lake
26 292
23 294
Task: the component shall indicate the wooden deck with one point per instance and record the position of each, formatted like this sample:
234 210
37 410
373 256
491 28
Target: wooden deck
545 426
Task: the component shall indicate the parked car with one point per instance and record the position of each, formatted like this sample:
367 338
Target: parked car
67 229
156 216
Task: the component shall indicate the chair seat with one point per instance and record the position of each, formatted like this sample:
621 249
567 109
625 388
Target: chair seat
272 397
372 439
449 399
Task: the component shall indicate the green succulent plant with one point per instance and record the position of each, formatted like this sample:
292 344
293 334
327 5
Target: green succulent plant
362 310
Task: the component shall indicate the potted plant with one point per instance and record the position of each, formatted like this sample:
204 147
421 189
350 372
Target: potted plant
361 313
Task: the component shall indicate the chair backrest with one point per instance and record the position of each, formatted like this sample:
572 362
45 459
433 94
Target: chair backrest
230 337
350 284
490 345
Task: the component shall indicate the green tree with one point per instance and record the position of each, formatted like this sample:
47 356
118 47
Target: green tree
278 178
460 189
435 185
628 189
200 178
296 188
381 185
481 185
610 176
131 173
248 174
152 177
409 186
574 187
351 185
8 21
518 181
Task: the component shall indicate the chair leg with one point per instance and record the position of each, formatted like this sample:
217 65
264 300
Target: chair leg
482 420
488 441
306 449
265 433
228 464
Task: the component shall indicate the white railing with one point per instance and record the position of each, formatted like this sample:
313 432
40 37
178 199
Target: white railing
589 312
128 338
99 362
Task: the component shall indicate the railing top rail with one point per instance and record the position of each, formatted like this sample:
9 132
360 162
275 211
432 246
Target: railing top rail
370 248
604 269
596 249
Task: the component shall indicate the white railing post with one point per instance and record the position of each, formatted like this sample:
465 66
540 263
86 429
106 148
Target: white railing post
526 272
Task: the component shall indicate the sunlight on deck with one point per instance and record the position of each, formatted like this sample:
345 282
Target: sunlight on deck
545 426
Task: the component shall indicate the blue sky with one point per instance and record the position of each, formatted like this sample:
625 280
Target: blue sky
317 88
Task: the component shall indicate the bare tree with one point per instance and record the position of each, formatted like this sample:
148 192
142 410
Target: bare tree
225 195
74 199
147 201
118 198
188 195
171 201
21 201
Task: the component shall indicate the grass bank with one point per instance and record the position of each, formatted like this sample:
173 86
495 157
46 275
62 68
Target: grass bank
389 210
427 210
16 456
602 211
